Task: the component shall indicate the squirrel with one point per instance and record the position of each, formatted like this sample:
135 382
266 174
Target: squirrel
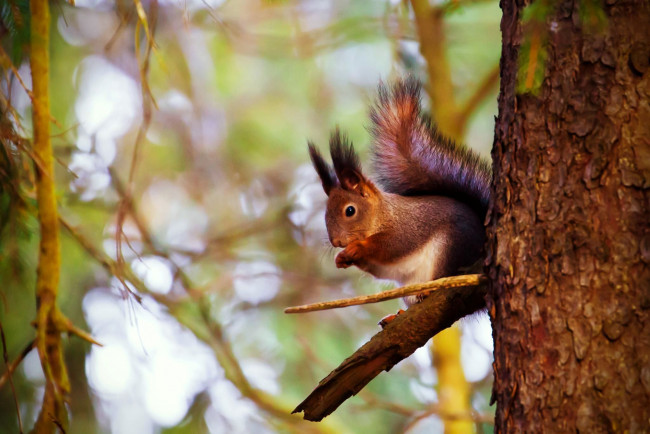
423 218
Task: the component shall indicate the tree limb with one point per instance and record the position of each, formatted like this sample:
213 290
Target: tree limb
398 340
7 375
11 367
488 85
451 116
48 337
430 22
418 288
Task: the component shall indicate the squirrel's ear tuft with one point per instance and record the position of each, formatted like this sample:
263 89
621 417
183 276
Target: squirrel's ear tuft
342 151
347 166
324 170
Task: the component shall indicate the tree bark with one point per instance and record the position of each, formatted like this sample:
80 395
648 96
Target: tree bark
568 230
398 340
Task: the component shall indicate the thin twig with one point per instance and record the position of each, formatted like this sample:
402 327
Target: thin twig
10 369
7 60
64 324
147 103
445 282
118 270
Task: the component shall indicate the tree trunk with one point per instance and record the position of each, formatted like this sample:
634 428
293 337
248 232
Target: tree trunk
569 232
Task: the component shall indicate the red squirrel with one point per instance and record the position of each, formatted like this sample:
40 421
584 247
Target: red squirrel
423 219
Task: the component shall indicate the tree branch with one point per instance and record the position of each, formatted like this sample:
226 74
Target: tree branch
48 337
10 370
11 367
452 385
487 85
148 103
418 288
450 116
398 340
429 21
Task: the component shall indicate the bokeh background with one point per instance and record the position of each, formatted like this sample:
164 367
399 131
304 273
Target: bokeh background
191 215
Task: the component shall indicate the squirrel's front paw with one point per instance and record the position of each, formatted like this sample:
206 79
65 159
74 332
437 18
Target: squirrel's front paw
349 256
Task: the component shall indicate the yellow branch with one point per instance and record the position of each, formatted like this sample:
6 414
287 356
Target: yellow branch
452 121
429 21
453 390
450 116
48 338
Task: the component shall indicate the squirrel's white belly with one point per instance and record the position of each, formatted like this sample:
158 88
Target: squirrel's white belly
417 267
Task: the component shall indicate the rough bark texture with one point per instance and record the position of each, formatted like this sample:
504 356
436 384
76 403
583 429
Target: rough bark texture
398 340
569 232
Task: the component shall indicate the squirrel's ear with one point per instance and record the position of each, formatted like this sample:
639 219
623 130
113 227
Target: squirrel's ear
324 170
352 180
347 166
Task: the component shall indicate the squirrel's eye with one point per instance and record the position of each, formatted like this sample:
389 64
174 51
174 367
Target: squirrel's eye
349 211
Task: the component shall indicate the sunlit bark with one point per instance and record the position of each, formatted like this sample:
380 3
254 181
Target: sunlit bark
568 232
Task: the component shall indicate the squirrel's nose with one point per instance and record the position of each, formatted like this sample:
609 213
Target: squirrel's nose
336 242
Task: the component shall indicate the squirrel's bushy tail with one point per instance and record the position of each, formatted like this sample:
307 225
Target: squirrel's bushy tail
412 158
